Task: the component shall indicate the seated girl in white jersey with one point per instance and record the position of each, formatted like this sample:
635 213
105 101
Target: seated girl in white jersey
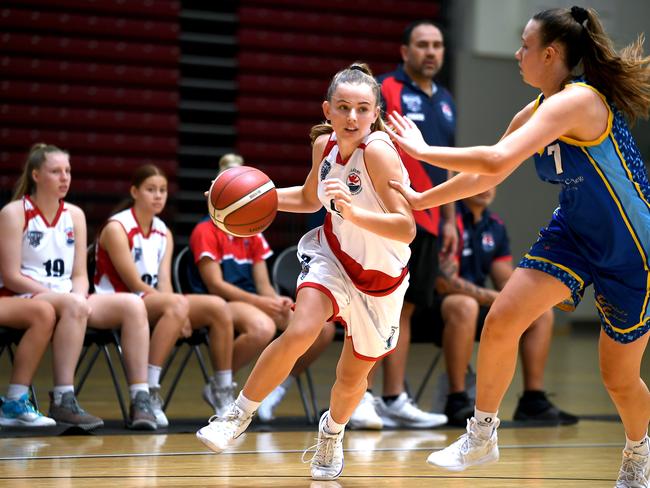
35 319
134 254
353 267
43 255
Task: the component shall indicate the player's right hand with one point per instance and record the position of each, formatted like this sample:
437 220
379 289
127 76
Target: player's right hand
413 198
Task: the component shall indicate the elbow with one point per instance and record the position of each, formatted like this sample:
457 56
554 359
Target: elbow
494 162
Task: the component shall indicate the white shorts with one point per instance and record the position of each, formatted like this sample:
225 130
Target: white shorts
372 322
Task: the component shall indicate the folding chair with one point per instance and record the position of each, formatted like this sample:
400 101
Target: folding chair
284 274
101 339
10 337
199 337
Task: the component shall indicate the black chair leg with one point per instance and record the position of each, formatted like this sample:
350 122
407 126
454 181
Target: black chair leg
427 376
86 371
305 403
116 383
312 394
172 388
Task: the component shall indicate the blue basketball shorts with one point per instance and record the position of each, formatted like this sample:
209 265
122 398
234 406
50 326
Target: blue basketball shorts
621 291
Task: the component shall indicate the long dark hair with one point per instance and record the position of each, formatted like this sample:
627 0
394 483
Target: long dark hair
35 159
624 78
355 74
139 176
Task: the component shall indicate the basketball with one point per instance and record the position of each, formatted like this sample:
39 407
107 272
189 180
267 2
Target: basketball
242 201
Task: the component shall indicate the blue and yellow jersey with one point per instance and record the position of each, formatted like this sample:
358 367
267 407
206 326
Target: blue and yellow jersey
604 215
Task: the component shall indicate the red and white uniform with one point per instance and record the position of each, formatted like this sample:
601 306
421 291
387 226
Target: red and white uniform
365 275
47 248
147 252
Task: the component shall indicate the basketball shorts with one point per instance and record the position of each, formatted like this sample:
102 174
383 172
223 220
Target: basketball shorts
371 322
423 268
620 290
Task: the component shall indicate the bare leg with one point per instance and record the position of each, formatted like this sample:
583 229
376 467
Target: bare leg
213 312
254 330
37 319
460 314
127 312
620 366
350 385
395 363
279 358
323 340
535 345
527 294
168 311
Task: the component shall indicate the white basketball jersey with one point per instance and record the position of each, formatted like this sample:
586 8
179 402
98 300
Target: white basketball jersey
147 252
376 265
48 248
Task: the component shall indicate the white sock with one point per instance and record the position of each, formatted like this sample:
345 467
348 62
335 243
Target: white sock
14 392
638 447
136 387
59 390
153 375
485 422
287 383
223 378
332 427
248 406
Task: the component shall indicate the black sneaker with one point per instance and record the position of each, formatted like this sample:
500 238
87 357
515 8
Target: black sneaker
535 408
458 409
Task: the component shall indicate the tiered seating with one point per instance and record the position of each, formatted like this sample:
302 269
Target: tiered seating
96 78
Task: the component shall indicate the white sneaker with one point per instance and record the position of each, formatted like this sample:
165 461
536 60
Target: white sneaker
265 411
634 472
404 413
468 450
327 461
219 398
365 416
22 413
157 406
221 431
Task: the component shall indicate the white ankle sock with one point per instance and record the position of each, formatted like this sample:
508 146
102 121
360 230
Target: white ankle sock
59 390
153 375
638 447
485 422
136 387
14 392
248 406
223 378
332 427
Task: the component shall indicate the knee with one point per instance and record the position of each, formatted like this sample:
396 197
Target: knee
460 311
219 312
133 309
615 382
77 308
261 329
42 317
178 308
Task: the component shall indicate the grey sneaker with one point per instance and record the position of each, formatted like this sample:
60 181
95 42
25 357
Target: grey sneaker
141 416
221 431
157 406
69 412
219 398
634 472
327 461
469 450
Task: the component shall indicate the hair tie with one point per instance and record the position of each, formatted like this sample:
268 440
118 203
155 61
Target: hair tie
356 67
579 14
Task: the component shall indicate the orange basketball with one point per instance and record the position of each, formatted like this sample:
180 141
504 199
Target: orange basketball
242 201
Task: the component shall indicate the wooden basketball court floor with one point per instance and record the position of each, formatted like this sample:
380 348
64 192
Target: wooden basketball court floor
584 455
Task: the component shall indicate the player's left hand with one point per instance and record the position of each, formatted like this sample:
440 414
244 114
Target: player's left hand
412 197
404 131
338 191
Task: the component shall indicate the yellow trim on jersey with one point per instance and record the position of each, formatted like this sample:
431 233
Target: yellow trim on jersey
629 173
610 120
535 107
629 228
561 266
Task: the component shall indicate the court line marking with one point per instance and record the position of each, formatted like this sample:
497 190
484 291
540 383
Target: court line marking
295 451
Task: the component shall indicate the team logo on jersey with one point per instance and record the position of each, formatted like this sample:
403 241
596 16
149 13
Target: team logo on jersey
69 236
137 254
325 169
413 103
354 181
487 241
389 341
34 237
446 111
304 266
